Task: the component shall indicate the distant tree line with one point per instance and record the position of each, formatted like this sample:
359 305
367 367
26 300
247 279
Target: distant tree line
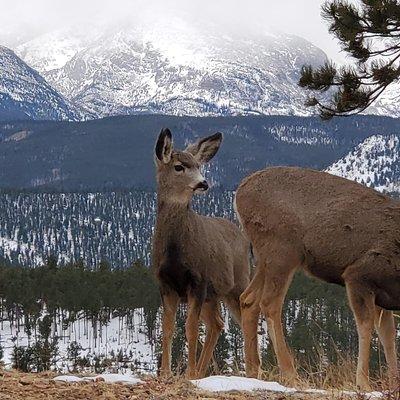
319 324
76 287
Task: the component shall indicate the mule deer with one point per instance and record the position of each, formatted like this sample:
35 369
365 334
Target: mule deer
197 259
336 230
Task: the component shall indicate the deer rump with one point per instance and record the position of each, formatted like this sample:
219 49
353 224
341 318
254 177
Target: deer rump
339 229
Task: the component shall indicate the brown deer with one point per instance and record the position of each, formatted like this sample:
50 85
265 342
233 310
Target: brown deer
334 229
197 259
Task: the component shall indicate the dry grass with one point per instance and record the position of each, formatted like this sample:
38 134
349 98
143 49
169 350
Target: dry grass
17 386
330 376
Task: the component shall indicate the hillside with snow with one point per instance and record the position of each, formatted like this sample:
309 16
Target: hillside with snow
24 94
117 152
375 162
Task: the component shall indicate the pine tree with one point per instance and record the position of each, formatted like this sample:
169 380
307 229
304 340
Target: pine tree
370 33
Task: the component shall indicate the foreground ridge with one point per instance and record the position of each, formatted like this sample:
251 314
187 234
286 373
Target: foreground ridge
15 385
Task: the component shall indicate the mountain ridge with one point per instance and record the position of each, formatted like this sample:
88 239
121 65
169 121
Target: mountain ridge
175 68
117 152
25 94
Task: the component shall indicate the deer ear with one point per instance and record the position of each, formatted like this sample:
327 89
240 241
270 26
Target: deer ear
164 146
205 149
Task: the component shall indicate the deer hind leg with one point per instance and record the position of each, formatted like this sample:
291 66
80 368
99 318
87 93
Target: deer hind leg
385 326
192 333
211 315
277 281
250 312
170 303
362 303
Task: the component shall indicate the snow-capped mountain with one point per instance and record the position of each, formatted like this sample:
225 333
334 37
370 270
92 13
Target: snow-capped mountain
174 67
24 94
375 162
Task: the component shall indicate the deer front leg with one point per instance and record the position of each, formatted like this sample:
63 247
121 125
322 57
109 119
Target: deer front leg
386 328
210 314
273 312
279 267
192 333
170 303
363 306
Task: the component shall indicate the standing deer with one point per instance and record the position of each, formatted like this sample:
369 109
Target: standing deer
336 230
197 259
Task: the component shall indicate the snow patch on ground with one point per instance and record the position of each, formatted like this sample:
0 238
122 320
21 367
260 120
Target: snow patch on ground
119 378
238 383
107 378
68 379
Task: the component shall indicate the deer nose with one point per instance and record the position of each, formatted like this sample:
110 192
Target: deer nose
203 185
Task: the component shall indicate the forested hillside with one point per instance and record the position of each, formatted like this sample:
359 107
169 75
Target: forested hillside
117 153
113 226
99 305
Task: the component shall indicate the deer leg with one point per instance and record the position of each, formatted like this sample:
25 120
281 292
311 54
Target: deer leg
211 315
250 312
170 303
385 326
192 333
277 281
362 303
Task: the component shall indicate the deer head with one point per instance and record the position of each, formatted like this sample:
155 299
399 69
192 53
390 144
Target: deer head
179 171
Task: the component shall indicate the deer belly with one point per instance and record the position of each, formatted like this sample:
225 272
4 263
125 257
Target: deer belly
180 279
177 274
387 296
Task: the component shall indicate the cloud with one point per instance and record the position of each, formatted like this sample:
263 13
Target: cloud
31 17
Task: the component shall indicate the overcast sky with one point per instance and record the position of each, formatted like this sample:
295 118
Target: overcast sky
23 18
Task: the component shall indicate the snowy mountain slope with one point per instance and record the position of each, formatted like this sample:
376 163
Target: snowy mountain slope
388 103
120 335
176 68
375 162
24 94
54 49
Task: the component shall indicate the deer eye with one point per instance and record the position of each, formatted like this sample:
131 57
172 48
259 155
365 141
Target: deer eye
178 168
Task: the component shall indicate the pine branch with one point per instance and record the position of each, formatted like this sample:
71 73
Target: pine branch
362 31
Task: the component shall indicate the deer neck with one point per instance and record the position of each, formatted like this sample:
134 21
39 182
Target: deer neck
172 217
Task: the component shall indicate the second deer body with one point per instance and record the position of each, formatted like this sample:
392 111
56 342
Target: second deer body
334 229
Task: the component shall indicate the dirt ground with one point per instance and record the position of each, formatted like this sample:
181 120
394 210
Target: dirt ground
18 386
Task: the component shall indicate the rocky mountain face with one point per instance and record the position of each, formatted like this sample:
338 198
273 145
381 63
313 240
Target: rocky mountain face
24 93
174 68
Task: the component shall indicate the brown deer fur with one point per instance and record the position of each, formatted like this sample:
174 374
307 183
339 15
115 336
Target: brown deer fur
334 229
197 259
